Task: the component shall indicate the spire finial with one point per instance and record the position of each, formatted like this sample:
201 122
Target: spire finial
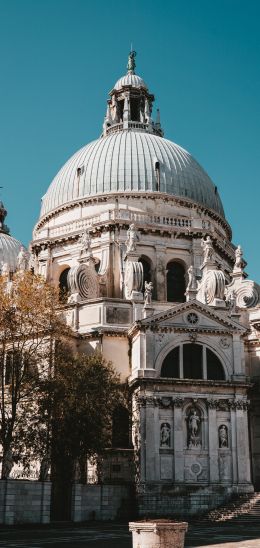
131 61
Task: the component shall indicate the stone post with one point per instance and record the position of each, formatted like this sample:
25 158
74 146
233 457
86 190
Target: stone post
158 534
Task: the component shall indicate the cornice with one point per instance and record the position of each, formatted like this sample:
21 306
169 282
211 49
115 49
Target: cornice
99 198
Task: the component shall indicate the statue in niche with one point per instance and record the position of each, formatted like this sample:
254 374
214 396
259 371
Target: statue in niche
148 289
193 429
7 464
192 282
223 436
85 241
165 439
239 258
207 249
132 238
22 260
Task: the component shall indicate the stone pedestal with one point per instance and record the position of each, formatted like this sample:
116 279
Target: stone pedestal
158 534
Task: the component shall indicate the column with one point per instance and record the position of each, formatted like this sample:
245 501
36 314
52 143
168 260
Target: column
151 449
233 441
213 441
178 440
243 464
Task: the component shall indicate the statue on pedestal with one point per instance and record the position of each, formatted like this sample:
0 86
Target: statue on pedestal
192 282
148 289
84 242
223 436
22 259
207 249
193 429
239 263
165 440
132 238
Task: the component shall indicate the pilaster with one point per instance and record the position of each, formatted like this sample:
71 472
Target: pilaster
178 441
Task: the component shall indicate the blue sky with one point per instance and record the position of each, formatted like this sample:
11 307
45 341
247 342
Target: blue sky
59 58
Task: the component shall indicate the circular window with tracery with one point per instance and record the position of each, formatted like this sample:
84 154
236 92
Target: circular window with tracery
192 318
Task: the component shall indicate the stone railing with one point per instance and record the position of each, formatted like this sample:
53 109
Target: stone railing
121 215
113 216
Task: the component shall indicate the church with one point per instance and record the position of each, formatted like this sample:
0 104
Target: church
134 230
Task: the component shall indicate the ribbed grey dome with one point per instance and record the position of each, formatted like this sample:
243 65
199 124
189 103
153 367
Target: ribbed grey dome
130 80
9 251
125 161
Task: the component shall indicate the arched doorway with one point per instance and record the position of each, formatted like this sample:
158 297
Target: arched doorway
176 285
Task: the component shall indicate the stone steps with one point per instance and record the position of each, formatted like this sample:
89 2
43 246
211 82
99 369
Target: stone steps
243 508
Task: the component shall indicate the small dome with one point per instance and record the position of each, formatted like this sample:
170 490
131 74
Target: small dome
127 161
130 80
9 251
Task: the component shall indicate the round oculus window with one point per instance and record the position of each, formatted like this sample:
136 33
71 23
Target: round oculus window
192 318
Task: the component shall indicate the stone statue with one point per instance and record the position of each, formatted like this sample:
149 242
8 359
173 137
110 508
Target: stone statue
194 422
165 440
148 289
85 241
131 61
193 429
7 464
45 466
207 249
232 300
132 238
22 259
223 436
239 258
192 282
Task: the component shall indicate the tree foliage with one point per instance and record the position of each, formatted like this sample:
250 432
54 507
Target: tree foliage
54 404
30 321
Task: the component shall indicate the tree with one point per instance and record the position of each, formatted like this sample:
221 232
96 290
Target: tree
30 322
81 398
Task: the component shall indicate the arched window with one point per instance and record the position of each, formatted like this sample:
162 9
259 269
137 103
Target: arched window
214 367
63 282
170 366
120 427
146 270
192 361
176 285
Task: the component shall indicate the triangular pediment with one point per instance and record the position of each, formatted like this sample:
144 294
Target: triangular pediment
193 315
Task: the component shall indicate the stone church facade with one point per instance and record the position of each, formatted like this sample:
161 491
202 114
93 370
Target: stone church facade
134 229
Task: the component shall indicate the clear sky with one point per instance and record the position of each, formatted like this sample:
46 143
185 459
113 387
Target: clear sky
200 58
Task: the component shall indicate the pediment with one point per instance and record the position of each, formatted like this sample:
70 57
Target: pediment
192 315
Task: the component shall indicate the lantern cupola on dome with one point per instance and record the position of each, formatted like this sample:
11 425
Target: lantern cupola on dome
130 104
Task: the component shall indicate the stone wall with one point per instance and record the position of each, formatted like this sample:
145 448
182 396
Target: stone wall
24 501
101 502
157 501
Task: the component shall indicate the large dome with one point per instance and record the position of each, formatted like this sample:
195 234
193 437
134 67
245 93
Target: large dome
126 161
